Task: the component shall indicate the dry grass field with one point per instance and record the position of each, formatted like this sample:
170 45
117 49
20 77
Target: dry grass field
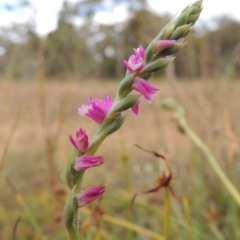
36 121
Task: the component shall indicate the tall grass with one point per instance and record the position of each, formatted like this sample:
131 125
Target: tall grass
36 140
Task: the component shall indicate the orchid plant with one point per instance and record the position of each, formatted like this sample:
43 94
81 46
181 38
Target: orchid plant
110 115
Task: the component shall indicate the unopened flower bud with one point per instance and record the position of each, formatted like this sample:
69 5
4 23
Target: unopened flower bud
181 31
126 103
166 31
114 125
125 86
163 44
156 66
193 18
173 49
182 19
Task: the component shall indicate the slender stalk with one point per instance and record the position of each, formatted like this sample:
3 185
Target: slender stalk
153 210
179 116
126 164
8 140
167 214
127 174
27 211
188 217
216 232
73 235
132 226
212 161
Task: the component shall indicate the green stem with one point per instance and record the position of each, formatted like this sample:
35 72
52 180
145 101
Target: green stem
75 179
100 135
167 214
32 219
197 232
179 114
73 235
211 159
27 211
70 216
188 216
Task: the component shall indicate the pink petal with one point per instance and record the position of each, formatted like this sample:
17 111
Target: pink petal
81 140
135 108
96 109
163 44
73 142
87 161
140 51
145 88
90 195
135 62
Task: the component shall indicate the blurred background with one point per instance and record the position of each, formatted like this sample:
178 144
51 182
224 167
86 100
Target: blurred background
56 54
90 39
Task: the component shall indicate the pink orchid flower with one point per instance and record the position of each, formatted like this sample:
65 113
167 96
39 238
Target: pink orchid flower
145 88
140 51
87 161
90 195
135 108
96 109
135 62
81 140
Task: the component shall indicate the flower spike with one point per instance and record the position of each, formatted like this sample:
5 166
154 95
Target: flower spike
110 115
